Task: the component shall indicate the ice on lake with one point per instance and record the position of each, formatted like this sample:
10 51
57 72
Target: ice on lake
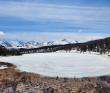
61 64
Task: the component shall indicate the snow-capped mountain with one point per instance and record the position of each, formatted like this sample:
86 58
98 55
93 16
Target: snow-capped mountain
5 43
33 44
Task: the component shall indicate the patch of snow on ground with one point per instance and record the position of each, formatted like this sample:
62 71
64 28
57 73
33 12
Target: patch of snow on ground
3 67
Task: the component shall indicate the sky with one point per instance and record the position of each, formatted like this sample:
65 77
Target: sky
48 20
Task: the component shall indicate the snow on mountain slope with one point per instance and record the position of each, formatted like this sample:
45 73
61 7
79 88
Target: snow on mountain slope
33 44
17 43
5 43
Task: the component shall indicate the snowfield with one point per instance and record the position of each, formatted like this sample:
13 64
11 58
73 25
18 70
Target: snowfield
62 64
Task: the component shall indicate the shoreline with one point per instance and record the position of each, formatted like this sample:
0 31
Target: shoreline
91 75
11 65
12 80
97 73
15 67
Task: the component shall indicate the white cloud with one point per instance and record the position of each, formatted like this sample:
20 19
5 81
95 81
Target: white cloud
77 15
79 31
1 33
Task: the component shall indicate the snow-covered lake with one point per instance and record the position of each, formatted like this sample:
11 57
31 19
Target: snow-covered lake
62 64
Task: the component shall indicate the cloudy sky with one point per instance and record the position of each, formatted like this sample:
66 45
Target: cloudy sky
46 20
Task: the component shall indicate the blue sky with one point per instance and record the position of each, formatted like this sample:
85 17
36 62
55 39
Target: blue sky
44 20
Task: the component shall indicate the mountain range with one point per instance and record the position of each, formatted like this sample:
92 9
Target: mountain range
33 44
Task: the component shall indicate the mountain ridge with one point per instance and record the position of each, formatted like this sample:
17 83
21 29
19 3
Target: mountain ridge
33 44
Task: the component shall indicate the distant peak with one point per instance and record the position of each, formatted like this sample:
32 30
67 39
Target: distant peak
76 41
64 40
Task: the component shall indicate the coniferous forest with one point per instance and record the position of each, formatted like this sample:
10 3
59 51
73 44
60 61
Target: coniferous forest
6 52
102 46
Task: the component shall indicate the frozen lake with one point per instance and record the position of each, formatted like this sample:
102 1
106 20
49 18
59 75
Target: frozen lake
61 64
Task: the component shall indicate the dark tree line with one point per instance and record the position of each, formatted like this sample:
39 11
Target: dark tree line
101 45
5 52
42 49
